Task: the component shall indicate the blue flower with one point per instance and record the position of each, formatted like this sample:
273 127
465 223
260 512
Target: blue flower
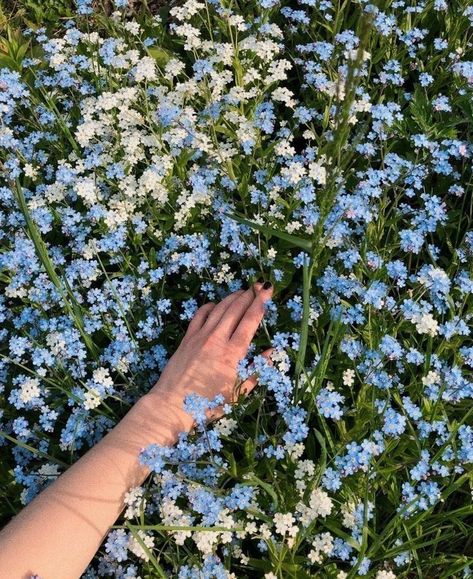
328 403
197 406
116 545
394 423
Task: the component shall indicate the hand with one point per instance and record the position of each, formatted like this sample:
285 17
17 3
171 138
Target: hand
217 338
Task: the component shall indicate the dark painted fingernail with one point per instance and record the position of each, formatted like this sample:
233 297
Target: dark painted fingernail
267 285
260 280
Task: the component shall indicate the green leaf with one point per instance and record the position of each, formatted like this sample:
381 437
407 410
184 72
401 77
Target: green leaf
249 449
8 62
152 258
322 463
291 568
339 533
150 555
260 564
233 467
221 129
253 479
161 56
304 244
32 449
67 295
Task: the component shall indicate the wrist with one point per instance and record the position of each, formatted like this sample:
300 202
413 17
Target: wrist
158 418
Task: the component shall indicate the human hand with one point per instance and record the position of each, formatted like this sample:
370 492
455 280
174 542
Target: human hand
217 338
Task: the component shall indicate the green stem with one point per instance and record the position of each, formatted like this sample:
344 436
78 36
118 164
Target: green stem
66 293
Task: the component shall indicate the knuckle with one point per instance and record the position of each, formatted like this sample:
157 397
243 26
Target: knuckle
208 343
256 313
260 301
240 343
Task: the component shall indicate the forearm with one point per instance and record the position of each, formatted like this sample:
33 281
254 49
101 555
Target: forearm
57 535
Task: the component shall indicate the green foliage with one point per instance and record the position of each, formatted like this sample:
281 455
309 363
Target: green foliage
36 13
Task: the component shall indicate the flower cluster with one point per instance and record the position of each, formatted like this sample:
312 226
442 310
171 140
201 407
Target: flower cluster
149 166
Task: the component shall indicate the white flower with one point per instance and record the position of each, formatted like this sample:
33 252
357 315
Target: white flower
304 468
425 324
87 190
322 545
135 546
134 501
294 172
348 511
56 342
285 96
295 451
151 182
385 575
320 505
318 173
92 399
187 10
145 69
284 149
49 471
432 377
238 22
102 376
29 390
284 524
348 377
246 133
30 170
277 70
353 54
362 105
225 426
206 541
293 226
191 35
265 532
225 274
264 49
133 27
251 75
173 68
86 131
172 515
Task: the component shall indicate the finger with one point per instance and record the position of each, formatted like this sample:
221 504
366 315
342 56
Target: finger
233 315
247 386
248 325
215 413
199 319
243 388
218 311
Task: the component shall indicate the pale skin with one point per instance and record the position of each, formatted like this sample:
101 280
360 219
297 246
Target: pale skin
59 532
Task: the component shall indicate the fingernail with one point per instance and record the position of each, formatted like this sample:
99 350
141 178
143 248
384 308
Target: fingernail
267 285
260 280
